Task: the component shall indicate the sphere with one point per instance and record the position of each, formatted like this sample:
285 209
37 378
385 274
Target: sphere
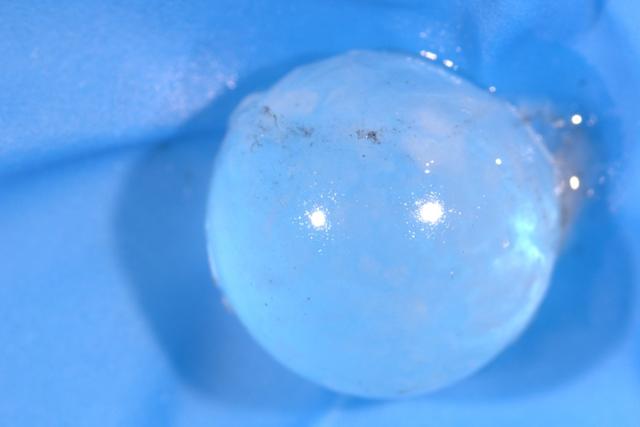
381 226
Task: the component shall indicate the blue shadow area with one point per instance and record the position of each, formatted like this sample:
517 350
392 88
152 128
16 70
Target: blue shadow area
160 232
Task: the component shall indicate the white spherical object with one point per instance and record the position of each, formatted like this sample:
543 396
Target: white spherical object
381 226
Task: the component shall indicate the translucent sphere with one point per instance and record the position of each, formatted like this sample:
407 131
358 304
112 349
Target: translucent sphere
381 226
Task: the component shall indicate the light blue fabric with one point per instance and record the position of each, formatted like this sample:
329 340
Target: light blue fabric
111 113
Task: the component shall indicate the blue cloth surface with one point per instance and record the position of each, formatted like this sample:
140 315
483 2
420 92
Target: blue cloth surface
111 114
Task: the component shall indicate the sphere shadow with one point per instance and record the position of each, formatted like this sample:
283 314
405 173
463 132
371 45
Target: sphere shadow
159 228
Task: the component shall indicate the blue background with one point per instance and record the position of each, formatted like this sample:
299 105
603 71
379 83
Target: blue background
110 117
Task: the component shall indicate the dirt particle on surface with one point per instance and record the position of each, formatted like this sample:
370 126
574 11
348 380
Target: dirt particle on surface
372 136
305 131
267 111
255 143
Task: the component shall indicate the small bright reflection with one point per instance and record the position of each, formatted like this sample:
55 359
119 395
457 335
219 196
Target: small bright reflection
318 219
498 161
576 119
429 55
574 182
430 212
448 63
492 89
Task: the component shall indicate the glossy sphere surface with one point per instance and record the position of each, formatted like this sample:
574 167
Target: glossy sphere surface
381 226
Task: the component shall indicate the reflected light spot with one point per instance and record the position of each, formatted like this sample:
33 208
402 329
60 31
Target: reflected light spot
429 55
492 89
498 161
448 63
576 119
430 212
574 182
318 219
